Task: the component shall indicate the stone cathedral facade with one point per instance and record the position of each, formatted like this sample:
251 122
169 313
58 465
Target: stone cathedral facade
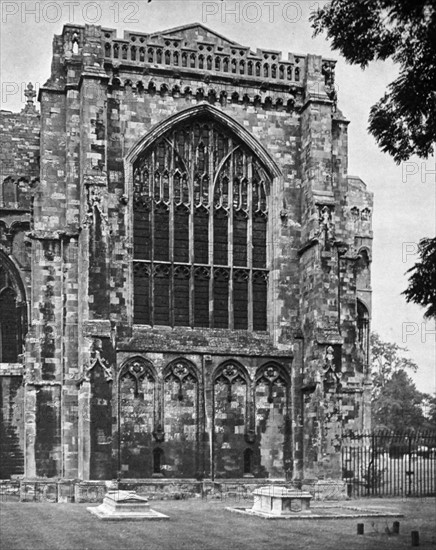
184 264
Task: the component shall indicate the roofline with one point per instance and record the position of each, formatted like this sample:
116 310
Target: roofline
196 24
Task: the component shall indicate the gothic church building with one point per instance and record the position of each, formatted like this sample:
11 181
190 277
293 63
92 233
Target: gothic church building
184 264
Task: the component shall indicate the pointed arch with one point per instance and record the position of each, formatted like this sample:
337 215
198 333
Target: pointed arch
231 371
8 266
271 402
180 369
205 109
271 372
231 386
13 311
99 375
137 398
137 367
181 418
201 189
363 332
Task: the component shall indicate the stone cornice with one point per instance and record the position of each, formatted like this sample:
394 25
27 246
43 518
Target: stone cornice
39 235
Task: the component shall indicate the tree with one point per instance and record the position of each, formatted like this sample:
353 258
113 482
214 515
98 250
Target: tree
396 404
422 282
386 359
430 413
403 121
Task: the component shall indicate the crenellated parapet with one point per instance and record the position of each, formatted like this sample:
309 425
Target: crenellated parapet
190 52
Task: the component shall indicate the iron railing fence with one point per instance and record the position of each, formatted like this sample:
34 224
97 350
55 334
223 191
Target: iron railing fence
385 463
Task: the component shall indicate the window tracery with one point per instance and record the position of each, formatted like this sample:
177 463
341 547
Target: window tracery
271 375
13 317
200 230
230 375
180 373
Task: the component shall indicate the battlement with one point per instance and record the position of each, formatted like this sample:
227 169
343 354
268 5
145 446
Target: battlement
190 48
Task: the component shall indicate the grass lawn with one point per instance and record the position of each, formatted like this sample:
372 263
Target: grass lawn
207 525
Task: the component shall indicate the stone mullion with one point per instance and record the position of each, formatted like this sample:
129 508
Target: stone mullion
152 235
159 410
250 240
211 239
171 230
230 238
191 255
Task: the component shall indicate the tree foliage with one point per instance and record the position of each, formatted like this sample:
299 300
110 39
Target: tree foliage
403 121
422 281
430 401
396 403
387 359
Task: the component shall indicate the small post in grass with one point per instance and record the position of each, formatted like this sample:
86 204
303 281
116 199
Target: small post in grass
396 528
360 528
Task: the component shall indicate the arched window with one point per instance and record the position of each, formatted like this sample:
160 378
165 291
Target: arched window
100 411
136 405
9 326
271 410
230 419
363 331
180 412
200 230
13 318
362 271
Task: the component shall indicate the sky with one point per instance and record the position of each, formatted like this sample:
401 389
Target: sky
405 194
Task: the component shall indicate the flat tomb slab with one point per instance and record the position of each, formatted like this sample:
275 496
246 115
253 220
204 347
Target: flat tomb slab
320 513
125 505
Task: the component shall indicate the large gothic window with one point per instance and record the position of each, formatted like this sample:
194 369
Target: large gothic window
12 313
200 230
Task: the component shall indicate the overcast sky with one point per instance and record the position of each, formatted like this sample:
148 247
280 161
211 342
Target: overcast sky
405 195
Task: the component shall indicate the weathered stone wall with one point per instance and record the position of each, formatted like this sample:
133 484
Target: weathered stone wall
19 167
11 421
105 397
19 144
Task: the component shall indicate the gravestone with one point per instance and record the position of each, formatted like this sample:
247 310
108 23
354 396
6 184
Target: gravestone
281 501
125 505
